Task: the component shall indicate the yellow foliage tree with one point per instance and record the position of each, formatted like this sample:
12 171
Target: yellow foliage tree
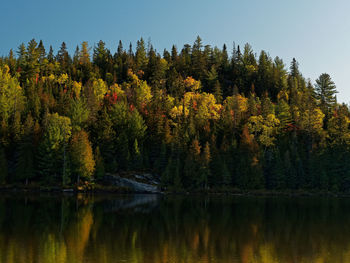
264 130
81 155
11 94
99 88
312 120
202 105
236 106
178 111
140 89
76 87
338 129
192 84
63 79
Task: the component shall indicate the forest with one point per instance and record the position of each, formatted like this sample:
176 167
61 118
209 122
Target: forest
200 118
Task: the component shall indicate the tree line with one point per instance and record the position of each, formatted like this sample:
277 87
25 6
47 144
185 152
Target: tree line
200 118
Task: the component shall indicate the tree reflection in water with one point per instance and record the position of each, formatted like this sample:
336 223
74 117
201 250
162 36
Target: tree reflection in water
151 228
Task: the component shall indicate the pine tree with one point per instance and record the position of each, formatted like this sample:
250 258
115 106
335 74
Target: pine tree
123 151
226 175
63 58
198 61
218 92
120 49
100 167
100 57
3 165
22 64
25 163
294 68
205 167
50 55
161 162
273 169
41 51
291 173
283 114
141 55
11 61
325 91
250 174
137 156
192 167
264 76
45 163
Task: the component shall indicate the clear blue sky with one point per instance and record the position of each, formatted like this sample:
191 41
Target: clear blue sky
315 32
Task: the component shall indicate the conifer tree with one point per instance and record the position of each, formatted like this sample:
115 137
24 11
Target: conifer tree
137 156
25 163
100 166
141 55
3 165
259 125
283 114
100 57
218 92
325 91
63 58
205 167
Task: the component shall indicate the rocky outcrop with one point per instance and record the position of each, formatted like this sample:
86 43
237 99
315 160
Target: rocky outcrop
141 183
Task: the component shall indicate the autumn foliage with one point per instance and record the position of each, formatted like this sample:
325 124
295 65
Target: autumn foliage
197 118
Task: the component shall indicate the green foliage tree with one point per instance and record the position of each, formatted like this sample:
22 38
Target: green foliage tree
52 154
196 116
100 166
141 55
3 165
25 163
79 114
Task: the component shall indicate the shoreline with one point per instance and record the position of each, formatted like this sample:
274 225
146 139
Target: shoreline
102 189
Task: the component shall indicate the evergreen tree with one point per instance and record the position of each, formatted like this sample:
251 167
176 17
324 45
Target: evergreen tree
325 91
50 55
141 55
283 114
137 156
100 167
46 163
3 165
259 125
218 92
101 57
197 58
63 58
123 151
294 68
25 163
205 168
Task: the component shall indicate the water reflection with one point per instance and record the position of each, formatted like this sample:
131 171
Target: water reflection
164 229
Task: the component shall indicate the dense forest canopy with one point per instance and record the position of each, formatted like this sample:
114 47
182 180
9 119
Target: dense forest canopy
201 118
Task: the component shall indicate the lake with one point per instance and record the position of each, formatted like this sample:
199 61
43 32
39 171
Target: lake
155 228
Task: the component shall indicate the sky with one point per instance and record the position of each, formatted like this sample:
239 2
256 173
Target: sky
315 32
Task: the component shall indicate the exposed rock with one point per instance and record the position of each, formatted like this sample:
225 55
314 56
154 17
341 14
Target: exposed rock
145 183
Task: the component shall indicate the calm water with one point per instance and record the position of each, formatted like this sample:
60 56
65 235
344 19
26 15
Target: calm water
150 228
